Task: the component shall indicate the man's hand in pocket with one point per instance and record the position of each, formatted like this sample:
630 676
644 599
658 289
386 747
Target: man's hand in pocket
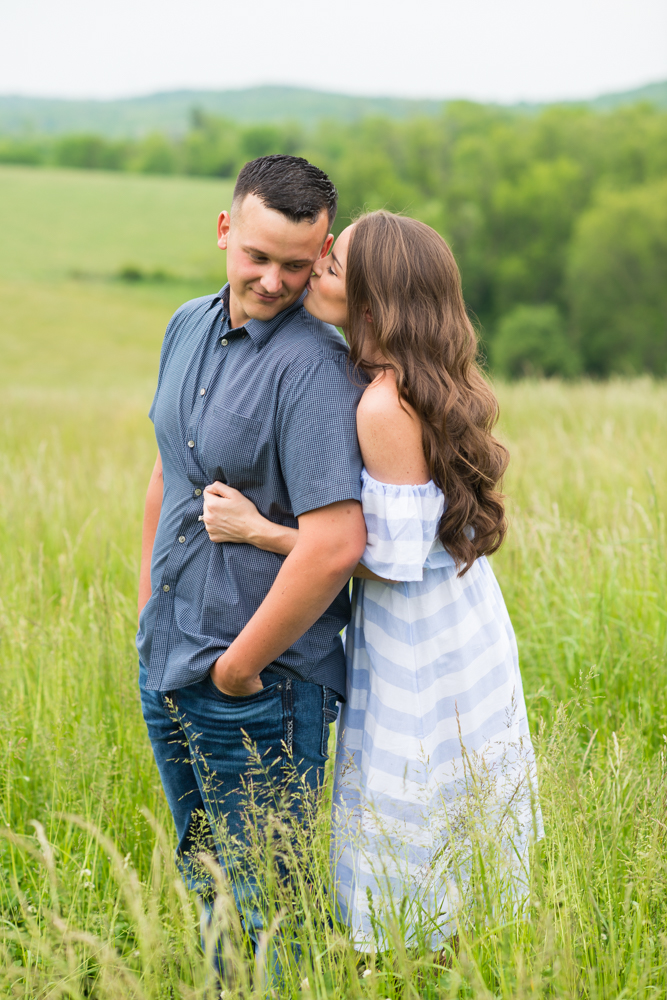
232 682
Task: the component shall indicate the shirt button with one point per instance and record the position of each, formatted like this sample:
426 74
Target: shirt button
191 444
166 588
224 341
202 392
197 493
181 538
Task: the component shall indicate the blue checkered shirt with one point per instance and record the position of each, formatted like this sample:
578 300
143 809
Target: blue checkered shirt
268 408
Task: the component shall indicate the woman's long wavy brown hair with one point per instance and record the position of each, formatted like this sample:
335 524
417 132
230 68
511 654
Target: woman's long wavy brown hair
405 274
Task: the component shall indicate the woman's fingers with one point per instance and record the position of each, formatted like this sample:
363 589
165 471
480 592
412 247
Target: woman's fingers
228 514
218 506
215 503
222 490
217 489
208 517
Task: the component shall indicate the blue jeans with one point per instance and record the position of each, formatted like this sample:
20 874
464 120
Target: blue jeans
226 763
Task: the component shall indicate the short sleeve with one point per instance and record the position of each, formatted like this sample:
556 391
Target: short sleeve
402 524
317 436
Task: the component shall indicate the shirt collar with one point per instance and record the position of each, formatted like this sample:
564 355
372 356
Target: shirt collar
259 330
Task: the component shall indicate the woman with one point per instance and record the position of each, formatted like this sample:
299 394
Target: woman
434 764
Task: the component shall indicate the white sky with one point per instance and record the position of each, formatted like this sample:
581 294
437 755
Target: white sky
482 49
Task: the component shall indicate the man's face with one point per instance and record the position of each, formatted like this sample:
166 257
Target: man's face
269 258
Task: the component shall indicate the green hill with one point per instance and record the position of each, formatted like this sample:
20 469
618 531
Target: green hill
653 93
170 112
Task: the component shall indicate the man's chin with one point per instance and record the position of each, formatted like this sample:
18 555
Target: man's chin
256 308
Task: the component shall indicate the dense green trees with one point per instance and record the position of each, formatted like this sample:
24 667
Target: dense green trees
617 281
532 340
558 220
527 204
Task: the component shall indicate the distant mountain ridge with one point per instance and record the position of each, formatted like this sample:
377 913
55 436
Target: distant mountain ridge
170 112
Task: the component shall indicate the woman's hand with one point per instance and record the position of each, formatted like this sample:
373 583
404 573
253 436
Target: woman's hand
362 573
229 516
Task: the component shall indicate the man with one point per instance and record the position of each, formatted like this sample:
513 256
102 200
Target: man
253 392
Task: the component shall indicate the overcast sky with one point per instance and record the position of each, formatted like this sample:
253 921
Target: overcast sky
482 49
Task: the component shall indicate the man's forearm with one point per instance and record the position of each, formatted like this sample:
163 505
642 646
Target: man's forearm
300 594
313 573
151 517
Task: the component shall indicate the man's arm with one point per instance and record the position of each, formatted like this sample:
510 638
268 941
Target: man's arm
151 518
328 547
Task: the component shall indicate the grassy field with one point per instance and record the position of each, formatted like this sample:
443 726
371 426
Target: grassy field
59 223
67 319
90 903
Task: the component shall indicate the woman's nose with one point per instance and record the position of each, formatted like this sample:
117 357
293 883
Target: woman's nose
318 266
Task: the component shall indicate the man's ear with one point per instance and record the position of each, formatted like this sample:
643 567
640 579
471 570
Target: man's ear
224 222
326 246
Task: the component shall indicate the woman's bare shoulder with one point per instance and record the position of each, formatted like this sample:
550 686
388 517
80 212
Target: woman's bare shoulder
390 435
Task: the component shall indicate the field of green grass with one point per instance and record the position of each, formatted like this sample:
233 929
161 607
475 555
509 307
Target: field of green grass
67 318
90 903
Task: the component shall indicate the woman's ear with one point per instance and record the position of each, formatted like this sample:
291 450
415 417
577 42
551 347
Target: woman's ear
367 316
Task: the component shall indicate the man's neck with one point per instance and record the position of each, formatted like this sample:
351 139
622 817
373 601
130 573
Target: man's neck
237 315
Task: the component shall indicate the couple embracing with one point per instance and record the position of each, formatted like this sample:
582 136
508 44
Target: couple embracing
290 461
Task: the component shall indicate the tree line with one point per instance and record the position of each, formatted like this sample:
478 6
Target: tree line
558 220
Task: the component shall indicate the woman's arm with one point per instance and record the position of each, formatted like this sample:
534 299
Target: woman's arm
363 573
230 517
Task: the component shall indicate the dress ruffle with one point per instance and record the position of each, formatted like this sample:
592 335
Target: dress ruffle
402 524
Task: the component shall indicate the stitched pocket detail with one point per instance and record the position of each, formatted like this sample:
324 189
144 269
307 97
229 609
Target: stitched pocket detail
329 715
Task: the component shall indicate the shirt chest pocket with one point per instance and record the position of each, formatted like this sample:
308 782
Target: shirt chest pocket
228 447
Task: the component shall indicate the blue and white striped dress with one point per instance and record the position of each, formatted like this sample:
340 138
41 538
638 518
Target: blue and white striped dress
434 708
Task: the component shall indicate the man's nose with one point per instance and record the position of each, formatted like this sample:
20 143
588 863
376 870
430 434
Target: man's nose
272 281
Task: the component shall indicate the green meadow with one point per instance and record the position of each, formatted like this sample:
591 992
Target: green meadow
91 267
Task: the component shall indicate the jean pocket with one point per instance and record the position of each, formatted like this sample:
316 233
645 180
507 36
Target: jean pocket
244 699
329 715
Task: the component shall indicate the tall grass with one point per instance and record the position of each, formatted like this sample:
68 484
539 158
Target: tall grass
90 901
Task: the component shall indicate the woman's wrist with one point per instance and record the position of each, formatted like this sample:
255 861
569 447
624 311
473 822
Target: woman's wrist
273 537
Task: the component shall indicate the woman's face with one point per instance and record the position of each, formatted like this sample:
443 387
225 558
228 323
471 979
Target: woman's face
326 299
